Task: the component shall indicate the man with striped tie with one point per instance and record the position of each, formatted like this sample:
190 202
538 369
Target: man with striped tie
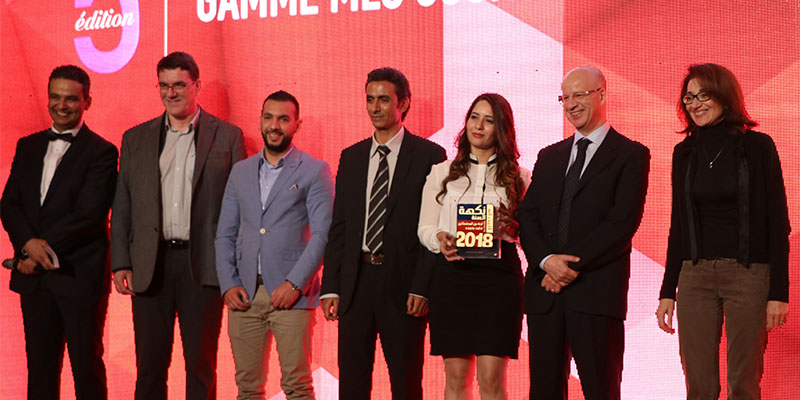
373 281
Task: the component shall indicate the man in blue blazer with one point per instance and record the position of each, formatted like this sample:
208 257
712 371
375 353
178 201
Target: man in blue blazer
272 232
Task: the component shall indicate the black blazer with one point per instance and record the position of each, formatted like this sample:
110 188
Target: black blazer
606 212
401 248
763 214
73 218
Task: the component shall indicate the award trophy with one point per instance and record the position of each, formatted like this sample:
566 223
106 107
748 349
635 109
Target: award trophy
475 231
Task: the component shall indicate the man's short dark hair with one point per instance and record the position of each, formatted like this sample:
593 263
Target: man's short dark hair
180 60
401 86
73 73
282 95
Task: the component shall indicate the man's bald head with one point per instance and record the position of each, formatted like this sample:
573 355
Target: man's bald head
590 72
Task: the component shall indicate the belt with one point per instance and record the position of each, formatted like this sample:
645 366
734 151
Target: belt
374 259
176 243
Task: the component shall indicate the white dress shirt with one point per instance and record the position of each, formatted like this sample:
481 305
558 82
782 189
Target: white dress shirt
55 152
435 217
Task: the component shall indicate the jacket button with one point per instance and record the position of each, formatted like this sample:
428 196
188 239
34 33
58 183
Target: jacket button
263 231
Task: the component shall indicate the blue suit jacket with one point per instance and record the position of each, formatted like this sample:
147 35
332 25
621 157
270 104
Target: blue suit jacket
290 233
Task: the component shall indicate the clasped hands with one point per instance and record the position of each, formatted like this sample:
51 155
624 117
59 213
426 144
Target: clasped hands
559 274
36 249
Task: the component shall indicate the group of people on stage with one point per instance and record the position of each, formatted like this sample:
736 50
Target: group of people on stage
196 224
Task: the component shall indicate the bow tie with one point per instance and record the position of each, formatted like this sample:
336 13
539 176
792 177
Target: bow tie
67 137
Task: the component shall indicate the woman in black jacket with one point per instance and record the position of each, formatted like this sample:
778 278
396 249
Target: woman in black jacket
728 246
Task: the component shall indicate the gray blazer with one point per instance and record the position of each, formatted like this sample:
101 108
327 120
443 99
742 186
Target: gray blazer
289 234
136 211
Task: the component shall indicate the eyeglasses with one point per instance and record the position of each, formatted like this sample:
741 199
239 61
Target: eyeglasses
702 97
577 96
179 87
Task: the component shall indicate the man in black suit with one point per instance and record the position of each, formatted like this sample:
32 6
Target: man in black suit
582 208
373 281
172 175
55 210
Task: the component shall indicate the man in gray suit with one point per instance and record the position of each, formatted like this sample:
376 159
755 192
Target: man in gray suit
172 176
272 232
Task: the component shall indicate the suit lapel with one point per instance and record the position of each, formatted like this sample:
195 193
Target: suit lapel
401 169
148 151
67 164
205 138
605 153
251 196
561 152
361 161
290 165
31 192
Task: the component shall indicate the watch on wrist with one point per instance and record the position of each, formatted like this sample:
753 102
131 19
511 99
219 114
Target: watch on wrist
295 287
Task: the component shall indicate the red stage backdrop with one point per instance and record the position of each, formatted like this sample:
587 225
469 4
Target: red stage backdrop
451 51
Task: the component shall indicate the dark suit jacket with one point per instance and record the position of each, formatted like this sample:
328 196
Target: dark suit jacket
136 213
73 219
606 212
401 247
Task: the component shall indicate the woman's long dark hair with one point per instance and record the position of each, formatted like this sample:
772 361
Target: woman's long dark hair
723 87
507 172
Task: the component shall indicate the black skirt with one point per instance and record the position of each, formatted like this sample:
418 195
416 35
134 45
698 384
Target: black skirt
476 305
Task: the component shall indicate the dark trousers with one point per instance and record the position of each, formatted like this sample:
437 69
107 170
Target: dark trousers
373 312
596 342
50 321
199 310
710 291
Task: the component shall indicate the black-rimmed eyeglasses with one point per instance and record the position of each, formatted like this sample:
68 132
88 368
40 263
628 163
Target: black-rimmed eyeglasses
702 97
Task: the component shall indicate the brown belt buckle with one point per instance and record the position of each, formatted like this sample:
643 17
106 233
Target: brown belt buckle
374 259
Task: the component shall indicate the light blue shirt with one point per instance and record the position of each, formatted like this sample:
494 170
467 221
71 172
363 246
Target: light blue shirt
267 175
596 137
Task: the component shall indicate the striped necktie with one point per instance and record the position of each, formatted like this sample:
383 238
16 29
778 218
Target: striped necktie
377 203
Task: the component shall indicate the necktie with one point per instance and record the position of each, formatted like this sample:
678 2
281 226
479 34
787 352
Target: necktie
67 137
377 203
570 186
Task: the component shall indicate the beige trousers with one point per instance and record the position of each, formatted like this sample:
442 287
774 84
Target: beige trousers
708 293
251 334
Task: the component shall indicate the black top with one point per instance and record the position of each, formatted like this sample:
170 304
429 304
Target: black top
715 194
762 216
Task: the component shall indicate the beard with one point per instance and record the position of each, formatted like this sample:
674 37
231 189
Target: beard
280 147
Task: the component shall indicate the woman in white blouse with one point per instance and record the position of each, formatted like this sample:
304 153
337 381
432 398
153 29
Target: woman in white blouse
476 303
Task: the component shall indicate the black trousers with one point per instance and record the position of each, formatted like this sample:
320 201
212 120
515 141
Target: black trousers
596 342
373 314
199 309
49 322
